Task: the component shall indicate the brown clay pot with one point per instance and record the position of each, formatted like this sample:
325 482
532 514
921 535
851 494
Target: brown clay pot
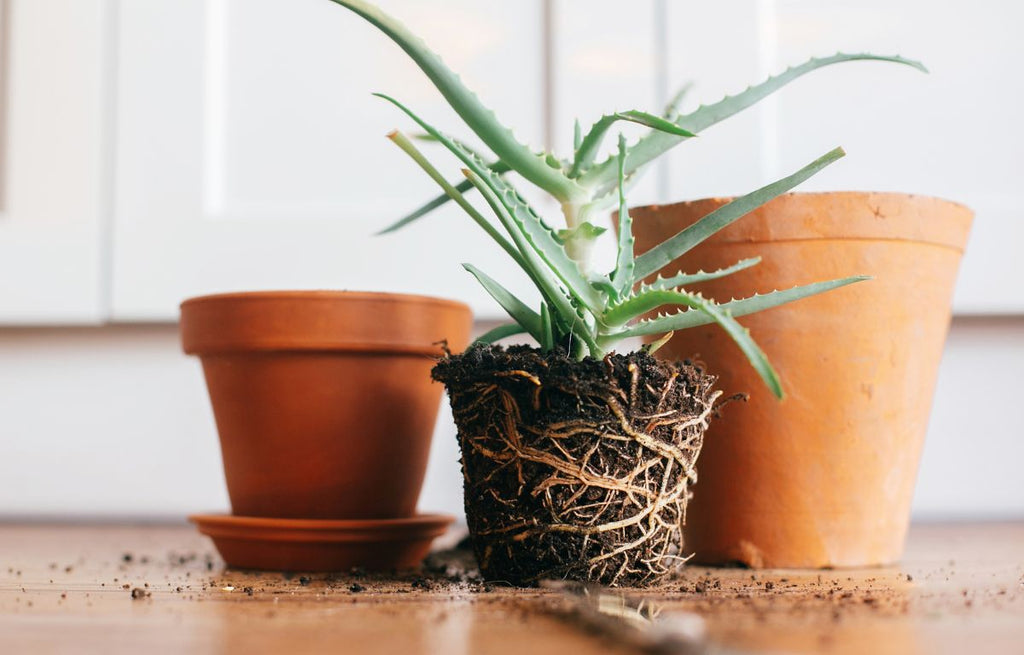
824 477
323 399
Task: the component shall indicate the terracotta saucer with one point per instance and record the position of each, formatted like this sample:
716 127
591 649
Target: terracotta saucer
321 545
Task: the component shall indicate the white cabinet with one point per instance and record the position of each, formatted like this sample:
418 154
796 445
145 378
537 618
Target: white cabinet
156 149
950 134
54 120
251 154
953 133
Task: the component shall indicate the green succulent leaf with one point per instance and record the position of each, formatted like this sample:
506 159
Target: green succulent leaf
423 210
517 309
741 336
602 176
611 197
672 108
656 345
667 251
651 300
585 231
548 283
501 332
589 145
453 192
547 336
434 203
586 312
622 276
742 307
479 118
603 284
686 279
540 236
546 242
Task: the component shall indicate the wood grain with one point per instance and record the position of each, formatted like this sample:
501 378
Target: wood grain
68 588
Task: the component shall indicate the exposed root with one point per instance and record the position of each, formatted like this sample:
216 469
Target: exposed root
576 469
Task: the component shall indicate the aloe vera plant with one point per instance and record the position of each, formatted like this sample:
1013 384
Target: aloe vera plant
585 311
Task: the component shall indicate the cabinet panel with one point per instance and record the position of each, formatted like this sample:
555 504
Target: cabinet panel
951 133
53 119
604 59
251 154
714 49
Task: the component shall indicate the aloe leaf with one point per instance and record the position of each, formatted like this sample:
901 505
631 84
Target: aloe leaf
589 145
424 209
651 300
546 243
685 279
667 251
430 138
672 108
640 303
547 336
622 276
529 267
611 197
656 345
742 307
501 332
741 336
577 135
517 309
479 118
603 284
541 237
546 280
585 231
410 149
602 176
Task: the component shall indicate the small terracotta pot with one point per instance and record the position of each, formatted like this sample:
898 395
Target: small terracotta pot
824 477
323 399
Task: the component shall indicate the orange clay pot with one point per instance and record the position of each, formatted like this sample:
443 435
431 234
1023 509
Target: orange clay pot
323 399
824 477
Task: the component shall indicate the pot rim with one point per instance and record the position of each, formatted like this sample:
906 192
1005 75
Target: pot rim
323 294
656 206
827 216
366 322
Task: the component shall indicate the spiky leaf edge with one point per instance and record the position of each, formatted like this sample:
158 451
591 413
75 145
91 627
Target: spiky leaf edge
468 106
669 250
602 176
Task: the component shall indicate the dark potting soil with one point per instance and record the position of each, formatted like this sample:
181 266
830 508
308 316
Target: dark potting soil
576 469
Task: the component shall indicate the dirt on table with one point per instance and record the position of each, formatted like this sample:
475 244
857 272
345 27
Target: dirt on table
576 469
957 582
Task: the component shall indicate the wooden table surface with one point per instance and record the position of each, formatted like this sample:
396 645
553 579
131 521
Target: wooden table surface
69 588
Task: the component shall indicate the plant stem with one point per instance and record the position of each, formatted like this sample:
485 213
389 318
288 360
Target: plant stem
578 249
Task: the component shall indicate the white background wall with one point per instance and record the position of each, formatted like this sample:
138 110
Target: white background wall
115 420
153 150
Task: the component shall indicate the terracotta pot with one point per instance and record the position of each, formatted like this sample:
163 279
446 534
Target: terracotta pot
323 400
824 477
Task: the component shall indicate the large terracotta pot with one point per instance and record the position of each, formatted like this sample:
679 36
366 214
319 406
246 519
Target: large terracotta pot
824 477
323 400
